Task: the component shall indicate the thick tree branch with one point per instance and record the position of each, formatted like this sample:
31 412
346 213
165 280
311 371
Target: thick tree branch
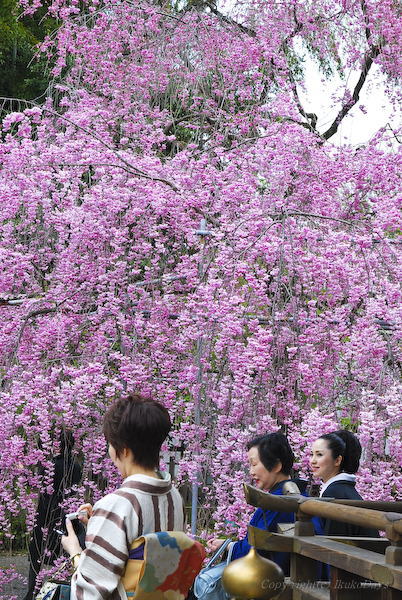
366 20
230 21
369 59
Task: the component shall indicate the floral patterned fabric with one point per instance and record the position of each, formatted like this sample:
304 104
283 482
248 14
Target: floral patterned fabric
171 563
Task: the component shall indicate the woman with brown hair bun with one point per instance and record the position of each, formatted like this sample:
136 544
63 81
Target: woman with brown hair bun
135 429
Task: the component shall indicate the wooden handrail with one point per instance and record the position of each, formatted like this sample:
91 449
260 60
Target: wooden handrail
395 507
391 522
294 500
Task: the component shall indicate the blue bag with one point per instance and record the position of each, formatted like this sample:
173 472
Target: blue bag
208 583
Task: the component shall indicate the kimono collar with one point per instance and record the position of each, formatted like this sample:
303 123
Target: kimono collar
340 477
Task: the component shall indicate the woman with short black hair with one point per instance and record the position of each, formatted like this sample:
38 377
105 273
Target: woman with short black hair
270 463
335 459
272 449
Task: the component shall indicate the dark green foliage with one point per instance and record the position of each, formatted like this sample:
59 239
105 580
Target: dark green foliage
22 74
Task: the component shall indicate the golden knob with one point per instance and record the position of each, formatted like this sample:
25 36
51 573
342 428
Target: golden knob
253 577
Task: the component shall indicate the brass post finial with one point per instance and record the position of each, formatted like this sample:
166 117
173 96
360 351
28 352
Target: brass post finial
253 578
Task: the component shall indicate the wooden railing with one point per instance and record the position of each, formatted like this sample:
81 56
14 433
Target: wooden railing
360 568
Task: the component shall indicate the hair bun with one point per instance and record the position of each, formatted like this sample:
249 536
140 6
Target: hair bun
353 450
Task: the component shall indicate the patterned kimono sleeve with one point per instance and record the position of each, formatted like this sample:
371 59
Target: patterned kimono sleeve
102 563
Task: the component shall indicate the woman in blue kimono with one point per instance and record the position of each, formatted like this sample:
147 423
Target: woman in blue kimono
270 462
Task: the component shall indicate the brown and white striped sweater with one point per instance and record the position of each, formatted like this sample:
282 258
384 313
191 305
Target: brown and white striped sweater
141 505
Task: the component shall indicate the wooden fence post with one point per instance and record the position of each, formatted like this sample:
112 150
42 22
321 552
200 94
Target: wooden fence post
393 556
344 585
302 568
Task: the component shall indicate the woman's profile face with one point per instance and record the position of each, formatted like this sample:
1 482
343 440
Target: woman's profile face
322 463
263 479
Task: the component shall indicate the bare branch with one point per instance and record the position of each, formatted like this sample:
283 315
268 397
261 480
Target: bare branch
28 317
311 118
388 126
314 216
131 168
115 166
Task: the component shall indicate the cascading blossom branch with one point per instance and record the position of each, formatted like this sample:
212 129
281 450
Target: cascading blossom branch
174 223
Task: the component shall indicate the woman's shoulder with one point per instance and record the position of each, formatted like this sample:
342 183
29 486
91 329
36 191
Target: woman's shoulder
108 501
140 486
342 489
122 496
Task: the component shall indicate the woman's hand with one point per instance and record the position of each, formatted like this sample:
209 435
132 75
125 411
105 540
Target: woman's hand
214 544
87 508
70 541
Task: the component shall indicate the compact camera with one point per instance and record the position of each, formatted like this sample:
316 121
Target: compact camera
78 527
75 515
